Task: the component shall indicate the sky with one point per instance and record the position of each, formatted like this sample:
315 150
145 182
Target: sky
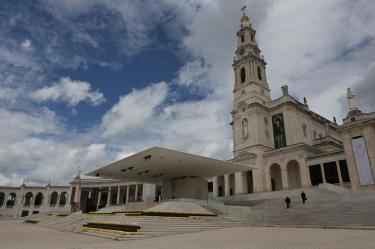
86 82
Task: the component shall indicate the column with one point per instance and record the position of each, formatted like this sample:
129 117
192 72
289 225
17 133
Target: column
226 185
118 195
58 200
136 193
239 187
214 186
284 178
339 173
99 197
127 193
323 174
109 197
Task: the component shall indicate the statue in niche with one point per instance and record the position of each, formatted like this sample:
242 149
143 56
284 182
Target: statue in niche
279 130
244 128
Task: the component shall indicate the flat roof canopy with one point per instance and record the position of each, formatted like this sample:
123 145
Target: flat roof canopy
157 164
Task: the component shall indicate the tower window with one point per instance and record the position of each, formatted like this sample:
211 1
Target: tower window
259 70
242 38
252 37
243 75
314 134
244 128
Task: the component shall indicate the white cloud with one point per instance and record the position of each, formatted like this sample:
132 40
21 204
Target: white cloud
71 91
134 109
26 44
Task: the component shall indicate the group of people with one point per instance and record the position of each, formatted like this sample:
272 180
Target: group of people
288 201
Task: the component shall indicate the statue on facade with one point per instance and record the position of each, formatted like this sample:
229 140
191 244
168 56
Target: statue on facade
304 101
351 100
284 89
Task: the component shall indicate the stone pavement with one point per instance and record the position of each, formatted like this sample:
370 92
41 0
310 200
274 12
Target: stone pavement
16 235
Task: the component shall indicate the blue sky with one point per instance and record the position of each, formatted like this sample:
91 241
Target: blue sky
84 83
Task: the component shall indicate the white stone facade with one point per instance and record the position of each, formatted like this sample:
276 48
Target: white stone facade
289 145
27 200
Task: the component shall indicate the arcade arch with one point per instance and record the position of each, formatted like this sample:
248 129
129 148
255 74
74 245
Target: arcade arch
11 200
53 200
2 199
276 181
294 175
28 199
63 199
38 199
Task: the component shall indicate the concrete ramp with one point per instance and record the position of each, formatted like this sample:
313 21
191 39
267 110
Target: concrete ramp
180 207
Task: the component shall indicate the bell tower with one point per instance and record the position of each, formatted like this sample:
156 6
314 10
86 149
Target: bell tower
251 128
249 67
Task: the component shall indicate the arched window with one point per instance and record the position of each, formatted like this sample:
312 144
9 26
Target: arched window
11 200
53 199
259 70
2 199
244 128
28 199
38 199
242 38
63 198
304 128
243 75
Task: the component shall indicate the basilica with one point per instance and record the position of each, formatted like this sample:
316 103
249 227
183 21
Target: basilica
279 144
289 145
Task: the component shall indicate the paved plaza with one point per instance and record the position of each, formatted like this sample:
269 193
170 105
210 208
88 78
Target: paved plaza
16 235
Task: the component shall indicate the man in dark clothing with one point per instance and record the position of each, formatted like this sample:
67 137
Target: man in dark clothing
303 196
287 201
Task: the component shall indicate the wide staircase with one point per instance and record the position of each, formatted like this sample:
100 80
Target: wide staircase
151 226
324 208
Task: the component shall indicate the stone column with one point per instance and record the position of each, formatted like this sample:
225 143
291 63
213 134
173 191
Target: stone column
99 197
214 186
323 174
339 173
239 183
226 185
118 195
77 194
109 197
136 193
127 193
284 178
58 200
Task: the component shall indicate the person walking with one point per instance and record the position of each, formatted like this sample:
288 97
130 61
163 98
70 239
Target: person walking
287 201
303 196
